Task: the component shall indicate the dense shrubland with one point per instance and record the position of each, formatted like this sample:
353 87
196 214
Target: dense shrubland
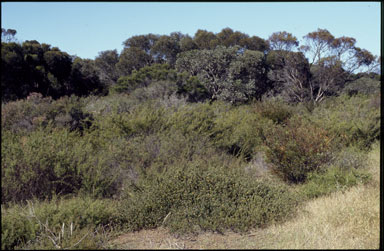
175 140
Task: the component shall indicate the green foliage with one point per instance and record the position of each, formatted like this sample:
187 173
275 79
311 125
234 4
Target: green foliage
239 130
143 119
332 180
156 90
226 73
353 120
36 224
24 116
193 119
52 161
41 164
349 158
105 63
297 149
167 47
131 59
159 154
198 196
143 77
346 169
34 67
84 78
275 110
282 41
364 85
289 76
161 76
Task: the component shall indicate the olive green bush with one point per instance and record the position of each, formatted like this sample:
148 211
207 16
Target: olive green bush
364 85
171 162
53 161
347 168
275 110
297 149
198 196
41 164
24 116
333 179
195 118
79 222
353 120
240 131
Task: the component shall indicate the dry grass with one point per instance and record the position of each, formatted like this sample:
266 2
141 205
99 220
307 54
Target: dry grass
343 220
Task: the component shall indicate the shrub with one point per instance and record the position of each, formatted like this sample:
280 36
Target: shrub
37 224
275 110
55 161
349 158
364 85
156 90
144 77
69 112
193 119
297 149
239 130
195 196
38 165
24 116
142 119
347 168
333 179
352 120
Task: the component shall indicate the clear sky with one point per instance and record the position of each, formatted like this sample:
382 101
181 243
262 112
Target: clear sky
86 28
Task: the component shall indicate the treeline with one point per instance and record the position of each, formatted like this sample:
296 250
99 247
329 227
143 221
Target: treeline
229 65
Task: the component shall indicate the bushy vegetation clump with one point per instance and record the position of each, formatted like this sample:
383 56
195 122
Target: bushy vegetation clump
24 116
297 149
352 120
80 222
333 179
278 111
200 196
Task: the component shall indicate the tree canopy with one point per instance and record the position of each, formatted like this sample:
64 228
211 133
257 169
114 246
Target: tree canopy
229 65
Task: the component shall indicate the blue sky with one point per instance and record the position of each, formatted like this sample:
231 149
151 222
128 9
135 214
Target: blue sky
86 28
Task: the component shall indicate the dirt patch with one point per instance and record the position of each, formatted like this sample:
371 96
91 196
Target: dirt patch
161 238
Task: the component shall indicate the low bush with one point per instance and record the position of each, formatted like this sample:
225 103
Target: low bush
156 90
40 164
198 196
346 169
349 158
24 116
364 85
275 110
353 120
240 131
193 119
53 161
333 179
143 119
79 222
297 149
102 106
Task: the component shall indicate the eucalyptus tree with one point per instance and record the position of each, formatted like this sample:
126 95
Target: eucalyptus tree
229 74
105 63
